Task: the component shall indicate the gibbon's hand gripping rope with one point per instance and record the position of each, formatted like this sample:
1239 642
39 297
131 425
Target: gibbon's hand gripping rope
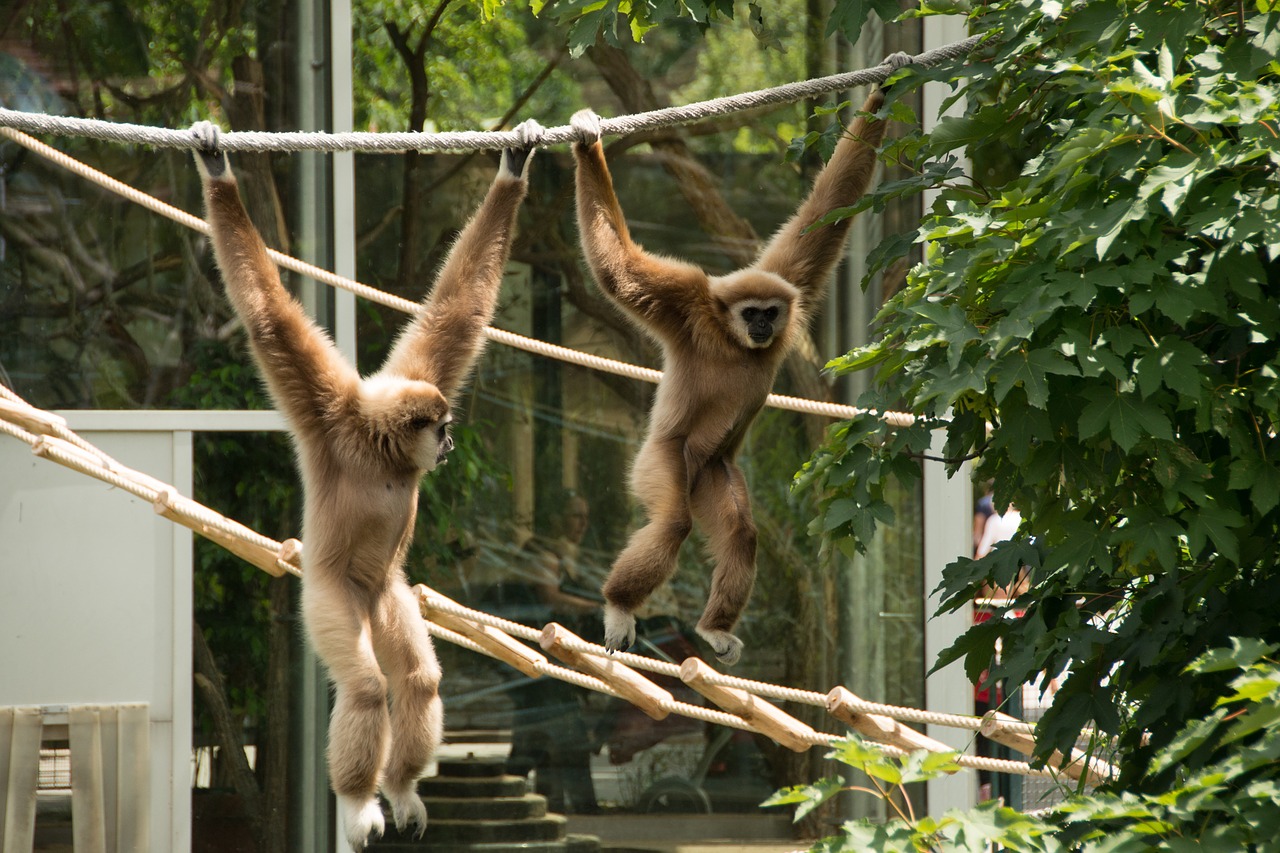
156 137
51 439
511 339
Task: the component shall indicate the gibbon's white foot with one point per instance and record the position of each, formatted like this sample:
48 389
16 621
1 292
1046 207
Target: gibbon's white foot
619 628
727 647
407 809
587 124
515 161
362 819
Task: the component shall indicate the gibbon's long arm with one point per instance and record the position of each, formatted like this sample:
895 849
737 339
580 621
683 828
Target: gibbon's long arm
663 292
442 343
307 377
806 260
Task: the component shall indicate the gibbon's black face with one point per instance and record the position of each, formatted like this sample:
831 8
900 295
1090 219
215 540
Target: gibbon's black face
756 323
760 322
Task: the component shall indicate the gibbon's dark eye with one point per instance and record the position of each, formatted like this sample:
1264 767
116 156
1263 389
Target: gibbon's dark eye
444 428
750 314
771 314
420 422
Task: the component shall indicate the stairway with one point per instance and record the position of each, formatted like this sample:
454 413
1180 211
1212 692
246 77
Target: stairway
473 807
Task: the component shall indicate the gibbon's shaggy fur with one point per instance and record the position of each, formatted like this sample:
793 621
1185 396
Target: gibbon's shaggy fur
723 339
362 445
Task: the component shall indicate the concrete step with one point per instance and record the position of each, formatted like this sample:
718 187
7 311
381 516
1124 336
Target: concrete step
466 787
548 828
486 808
577 843
472 767
426 845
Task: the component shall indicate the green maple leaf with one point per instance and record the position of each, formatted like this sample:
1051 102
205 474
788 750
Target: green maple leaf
1127 416
1029 370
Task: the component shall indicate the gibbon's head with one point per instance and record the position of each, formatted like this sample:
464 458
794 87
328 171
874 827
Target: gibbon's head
410 417
755 306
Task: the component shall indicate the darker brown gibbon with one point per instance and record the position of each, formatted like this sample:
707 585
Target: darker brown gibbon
362 445
723 339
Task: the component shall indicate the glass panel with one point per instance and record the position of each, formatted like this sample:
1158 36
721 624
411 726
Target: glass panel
105 305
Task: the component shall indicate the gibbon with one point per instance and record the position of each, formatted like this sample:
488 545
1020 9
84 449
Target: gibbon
723 339
362 445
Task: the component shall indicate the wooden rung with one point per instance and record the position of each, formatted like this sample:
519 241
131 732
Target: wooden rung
765 717
840 704
499 644
76 458
290 555
170 505
995 726
31 419
631 685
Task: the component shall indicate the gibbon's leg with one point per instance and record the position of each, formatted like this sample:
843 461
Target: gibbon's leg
723 509
660 481
359 729
417 715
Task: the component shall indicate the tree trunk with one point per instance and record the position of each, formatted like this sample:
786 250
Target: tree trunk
733 234
273 743
227 733
246 111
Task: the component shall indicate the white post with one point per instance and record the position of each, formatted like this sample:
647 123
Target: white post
948 534
948 523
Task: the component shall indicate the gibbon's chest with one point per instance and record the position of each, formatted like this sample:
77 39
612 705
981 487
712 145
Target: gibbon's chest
360 515
715 397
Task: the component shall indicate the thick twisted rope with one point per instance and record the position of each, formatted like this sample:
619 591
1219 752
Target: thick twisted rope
157 137
511 339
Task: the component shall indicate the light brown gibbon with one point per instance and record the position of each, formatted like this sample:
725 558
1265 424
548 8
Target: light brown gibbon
723 339
362 445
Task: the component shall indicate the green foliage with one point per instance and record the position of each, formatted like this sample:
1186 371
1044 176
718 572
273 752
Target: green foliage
475 68
1104 294
617 21
1225 794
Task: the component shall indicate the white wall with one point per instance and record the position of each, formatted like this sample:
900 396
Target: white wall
95 601
948 521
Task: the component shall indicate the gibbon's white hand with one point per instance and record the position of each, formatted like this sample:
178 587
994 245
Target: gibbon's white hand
897 60
587 124
515 161
210 162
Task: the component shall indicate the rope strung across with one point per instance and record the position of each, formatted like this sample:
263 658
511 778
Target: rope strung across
391 142
51 439
511 339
